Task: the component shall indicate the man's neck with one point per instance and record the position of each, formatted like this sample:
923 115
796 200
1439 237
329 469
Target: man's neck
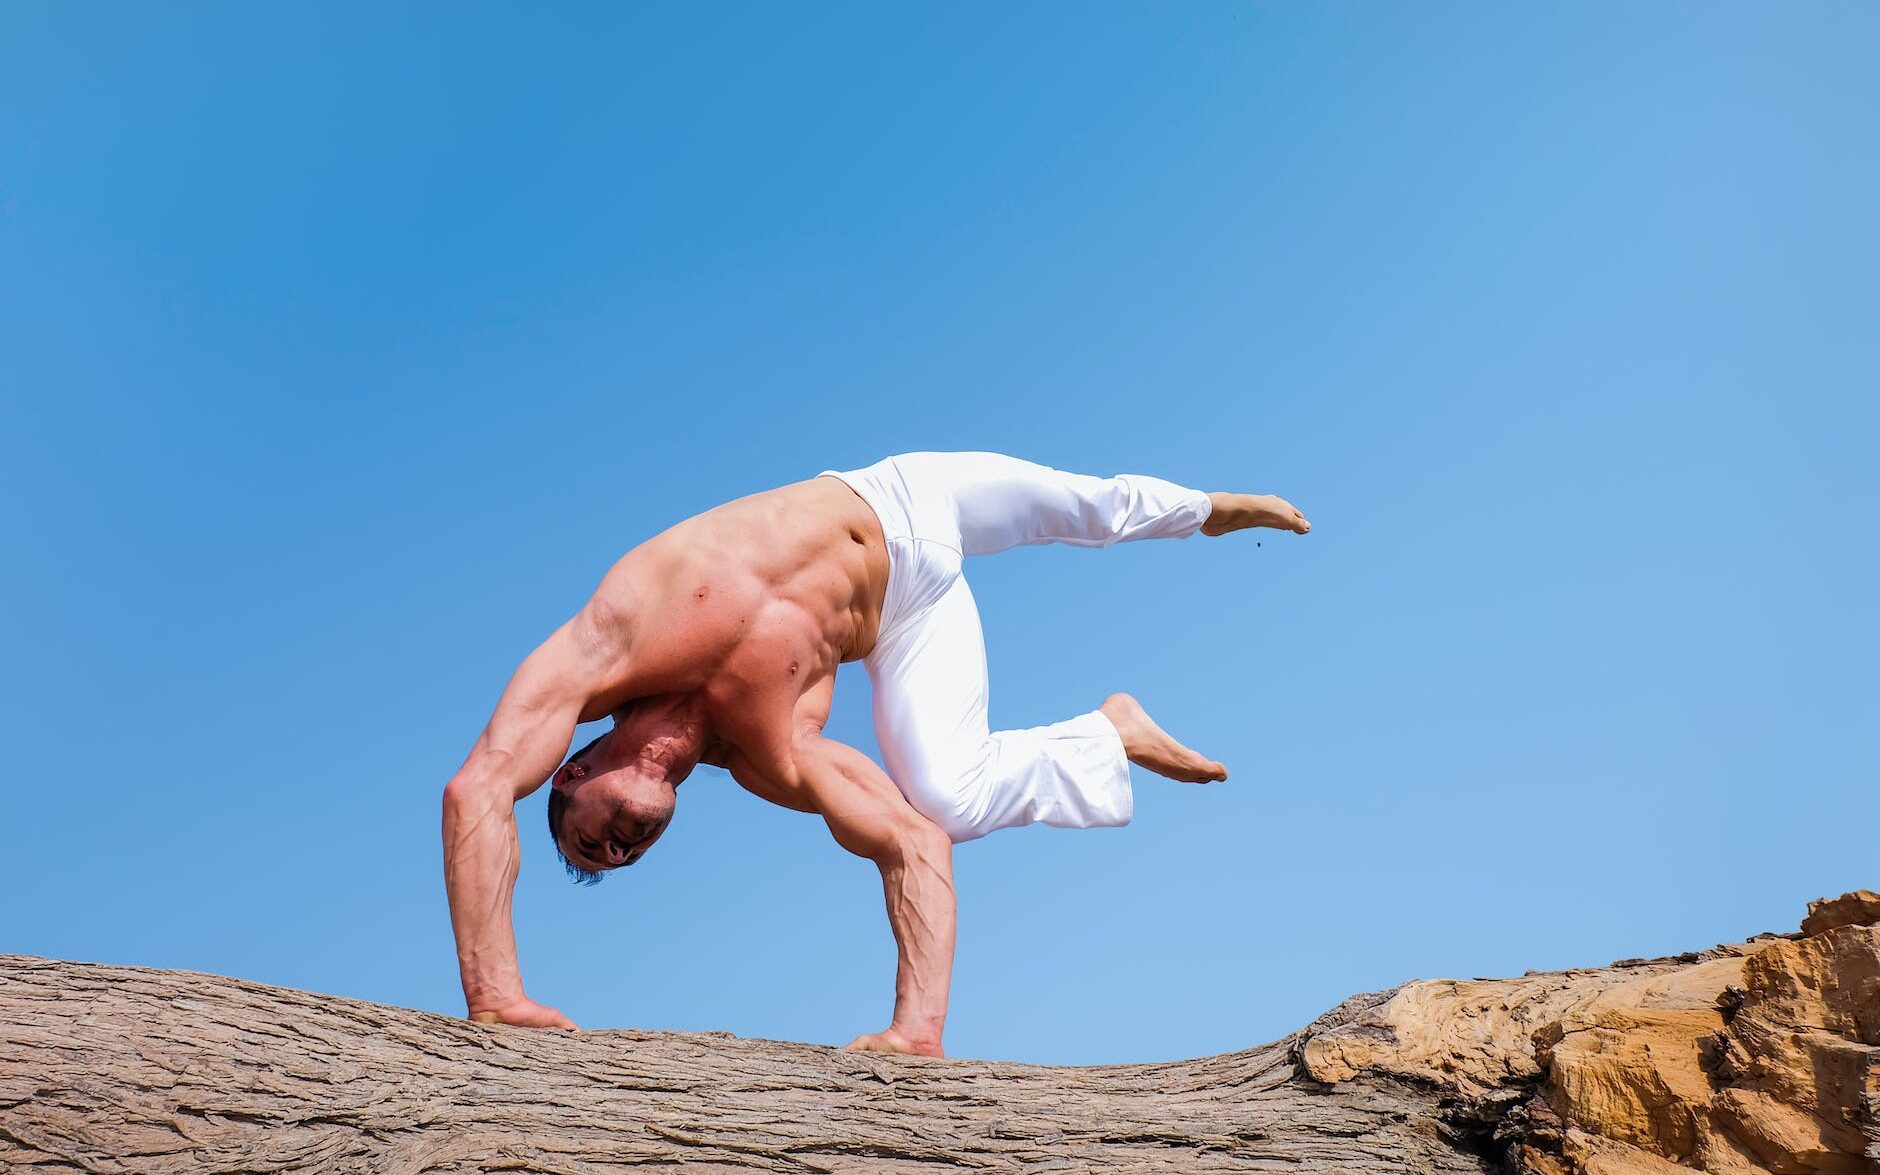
669 733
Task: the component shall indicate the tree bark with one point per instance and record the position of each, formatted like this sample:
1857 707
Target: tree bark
123 1069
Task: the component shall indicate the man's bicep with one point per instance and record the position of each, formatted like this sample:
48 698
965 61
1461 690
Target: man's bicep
765 785
865 812
533 723
519 750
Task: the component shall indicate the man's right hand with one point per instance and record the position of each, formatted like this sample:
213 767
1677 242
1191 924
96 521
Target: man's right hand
525 738
525 1012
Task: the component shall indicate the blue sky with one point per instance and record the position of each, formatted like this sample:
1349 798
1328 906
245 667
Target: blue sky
343 347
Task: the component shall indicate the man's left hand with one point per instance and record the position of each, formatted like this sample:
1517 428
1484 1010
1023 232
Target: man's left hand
893 1041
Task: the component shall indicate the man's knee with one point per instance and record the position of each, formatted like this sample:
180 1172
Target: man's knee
948 813
958 827
948 797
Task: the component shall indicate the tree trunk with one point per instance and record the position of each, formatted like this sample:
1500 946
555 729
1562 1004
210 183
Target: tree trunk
108 1069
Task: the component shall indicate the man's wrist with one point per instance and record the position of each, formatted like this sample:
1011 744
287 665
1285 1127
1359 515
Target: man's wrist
490 999
920 1029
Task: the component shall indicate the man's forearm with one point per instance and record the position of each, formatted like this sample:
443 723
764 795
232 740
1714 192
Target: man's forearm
481 859
918 883
869 817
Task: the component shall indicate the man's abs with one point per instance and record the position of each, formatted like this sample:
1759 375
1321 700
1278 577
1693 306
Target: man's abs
756 595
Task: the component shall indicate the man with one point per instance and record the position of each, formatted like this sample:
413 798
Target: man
717 642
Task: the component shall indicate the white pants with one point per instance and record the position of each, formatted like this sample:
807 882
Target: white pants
929 662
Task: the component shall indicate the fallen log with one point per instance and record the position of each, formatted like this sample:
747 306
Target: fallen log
1751 1057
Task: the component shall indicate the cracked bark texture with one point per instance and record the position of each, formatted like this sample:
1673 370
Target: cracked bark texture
1752 1057
111 1069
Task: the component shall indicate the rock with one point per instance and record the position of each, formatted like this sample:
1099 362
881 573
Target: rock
1860 908
1755 1058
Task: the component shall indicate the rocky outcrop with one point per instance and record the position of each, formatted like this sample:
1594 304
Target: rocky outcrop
1756 1057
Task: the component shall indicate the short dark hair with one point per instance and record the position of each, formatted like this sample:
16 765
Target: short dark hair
557 807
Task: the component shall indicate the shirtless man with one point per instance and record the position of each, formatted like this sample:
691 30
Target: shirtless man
717 642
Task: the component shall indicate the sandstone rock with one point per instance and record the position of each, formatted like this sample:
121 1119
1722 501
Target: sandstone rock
1753 1058
1860 908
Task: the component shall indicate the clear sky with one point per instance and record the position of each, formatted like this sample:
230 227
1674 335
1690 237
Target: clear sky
342 347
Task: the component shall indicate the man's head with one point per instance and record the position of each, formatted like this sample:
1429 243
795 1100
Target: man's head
614 797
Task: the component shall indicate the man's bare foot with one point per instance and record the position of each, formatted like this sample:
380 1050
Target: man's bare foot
1149 746
1241 511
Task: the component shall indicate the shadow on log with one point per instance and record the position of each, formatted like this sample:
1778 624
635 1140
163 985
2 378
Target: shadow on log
1753 1057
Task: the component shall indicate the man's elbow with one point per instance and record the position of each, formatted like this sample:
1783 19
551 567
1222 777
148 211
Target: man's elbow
917 842
467 796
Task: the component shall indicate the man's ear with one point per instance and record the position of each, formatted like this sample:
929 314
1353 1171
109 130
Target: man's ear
566 776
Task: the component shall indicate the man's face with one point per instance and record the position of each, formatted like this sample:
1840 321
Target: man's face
615 812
